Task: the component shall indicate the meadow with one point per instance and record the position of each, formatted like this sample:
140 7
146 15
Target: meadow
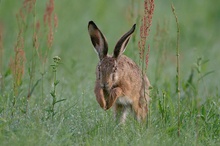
47 73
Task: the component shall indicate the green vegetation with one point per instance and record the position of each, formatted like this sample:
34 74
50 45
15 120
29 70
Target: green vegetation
45 102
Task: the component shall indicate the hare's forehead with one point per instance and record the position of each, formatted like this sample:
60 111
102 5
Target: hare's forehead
107 62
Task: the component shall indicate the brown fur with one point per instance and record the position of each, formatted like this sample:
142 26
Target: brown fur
119 81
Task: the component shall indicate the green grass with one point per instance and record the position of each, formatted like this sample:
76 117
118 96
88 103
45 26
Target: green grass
79 120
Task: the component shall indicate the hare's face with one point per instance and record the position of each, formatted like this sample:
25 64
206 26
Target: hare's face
108 72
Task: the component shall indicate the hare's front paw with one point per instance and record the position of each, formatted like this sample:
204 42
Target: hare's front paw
115 92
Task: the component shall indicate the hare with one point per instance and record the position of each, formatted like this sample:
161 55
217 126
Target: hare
119 81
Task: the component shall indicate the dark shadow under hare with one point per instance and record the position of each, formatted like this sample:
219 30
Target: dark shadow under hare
119 81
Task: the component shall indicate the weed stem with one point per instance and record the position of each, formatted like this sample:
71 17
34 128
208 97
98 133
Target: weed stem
178 65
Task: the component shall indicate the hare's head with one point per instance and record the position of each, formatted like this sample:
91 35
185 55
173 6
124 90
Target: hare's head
107 68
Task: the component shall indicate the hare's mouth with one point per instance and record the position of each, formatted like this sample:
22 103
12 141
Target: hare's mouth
105 86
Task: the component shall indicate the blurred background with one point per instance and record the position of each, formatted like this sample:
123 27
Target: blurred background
198 19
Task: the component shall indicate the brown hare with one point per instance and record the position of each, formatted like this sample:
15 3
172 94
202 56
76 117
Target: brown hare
119 81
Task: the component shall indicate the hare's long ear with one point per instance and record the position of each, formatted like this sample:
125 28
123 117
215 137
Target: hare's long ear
98 40
122 43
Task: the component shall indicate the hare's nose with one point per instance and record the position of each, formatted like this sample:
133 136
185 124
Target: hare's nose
105 85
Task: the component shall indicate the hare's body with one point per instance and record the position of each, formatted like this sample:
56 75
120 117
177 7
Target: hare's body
119 81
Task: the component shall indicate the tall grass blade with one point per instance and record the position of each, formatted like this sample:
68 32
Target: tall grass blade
178 65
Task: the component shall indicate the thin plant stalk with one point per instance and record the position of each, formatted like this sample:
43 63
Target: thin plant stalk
50 22
33 59
178 65
55 83
1 60
146 22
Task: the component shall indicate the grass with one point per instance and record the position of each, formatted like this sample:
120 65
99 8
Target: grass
79 120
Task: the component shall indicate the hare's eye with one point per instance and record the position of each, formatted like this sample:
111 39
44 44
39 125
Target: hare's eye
113 76
99 72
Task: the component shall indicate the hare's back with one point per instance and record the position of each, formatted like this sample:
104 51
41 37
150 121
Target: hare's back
130 71
128 65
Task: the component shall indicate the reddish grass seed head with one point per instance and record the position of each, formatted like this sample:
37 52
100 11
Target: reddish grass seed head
146 22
